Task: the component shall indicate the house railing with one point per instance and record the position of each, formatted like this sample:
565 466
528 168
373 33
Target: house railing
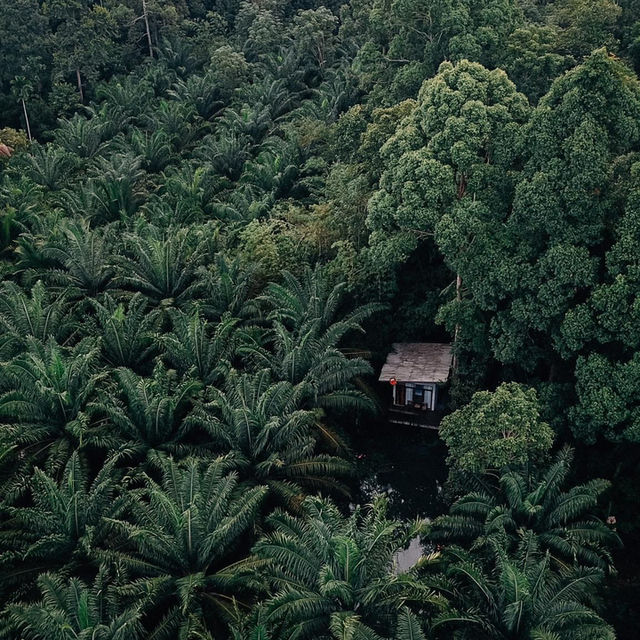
409 416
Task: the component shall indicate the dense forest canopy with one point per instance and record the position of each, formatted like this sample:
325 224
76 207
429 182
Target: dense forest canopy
215 218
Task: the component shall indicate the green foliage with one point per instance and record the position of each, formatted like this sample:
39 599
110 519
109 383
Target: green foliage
127 335
533 61
70 609
586 25
198 350
180 541
305 336
50 166
269 439
149 415
334 576
448 175
497 429
536 503
520 597
16 140
573 141
63 527
48 393
80 260
162 265
39 316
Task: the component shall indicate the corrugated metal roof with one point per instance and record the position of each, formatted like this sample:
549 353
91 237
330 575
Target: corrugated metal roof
418 362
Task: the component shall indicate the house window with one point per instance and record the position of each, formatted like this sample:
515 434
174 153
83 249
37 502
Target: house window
411 394
428 396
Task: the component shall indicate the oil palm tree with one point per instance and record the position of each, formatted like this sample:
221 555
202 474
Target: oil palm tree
311 362
21 210
82 259
202 92
331 575
409 626
273 172
179 120
46 401
225 153
562 518
189 186
114 118
81 136
40 315
149 415
128 332
229 288
113 189
154 148
69 609
334 96
276 93
268 438
238 206
167 213
517 596
62 525
312 296
160 77
178 55
50 166
303 343
183 539
251 123
199 349
132 95
162 265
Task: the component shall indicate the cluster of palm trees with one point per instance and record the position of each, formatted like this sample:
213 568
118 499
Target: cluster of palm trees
147 432
524 556
158 399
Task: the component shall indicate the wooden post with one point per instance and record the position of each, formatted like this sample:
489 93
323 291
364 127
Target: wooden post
457 329
26 118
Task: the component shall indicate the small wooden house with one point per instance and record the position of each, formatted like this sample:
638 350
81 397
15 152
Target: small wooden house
415 372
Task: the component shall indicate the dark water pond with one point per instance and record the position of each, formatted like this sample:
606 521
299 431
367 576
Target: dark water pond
405 463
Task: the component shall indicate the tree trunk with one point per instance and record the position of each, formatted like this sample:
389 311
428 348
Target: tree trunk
79 80
26 119
457 329
146 24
